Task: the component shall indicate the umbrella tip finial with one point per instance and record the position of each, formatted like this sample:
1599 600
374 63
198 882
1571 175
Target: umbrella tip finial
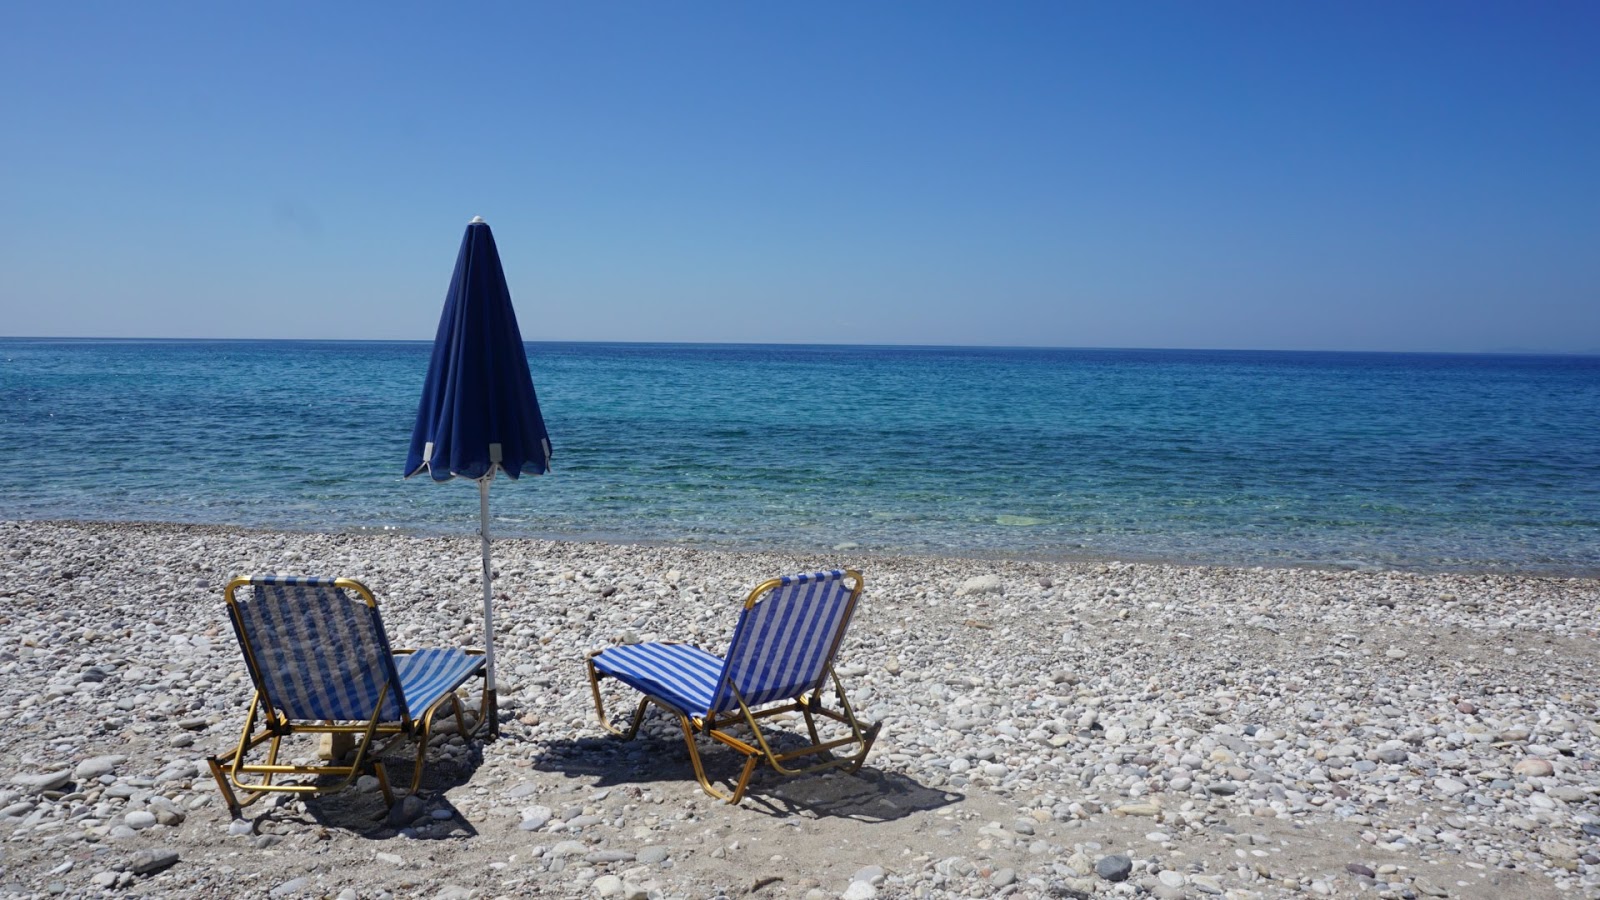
476 220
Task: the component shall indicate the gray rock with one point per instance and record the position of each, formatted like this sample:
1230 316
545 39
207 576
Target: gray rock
1391 754
406 810
535 818
1115 867
569 848
653 855
608 856
95 766
872 875
292 886
44 781
148 862
860 890
980 584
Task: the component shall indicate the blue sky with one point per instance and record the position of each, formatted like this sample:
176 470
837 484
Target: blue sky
1370 176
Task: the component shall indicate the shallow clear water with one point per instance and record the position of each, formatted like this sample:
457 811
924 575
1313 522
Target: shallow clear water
1412 461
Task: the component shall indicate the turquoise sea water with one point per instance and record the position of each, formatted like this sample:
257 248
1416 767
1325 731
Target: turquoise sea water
1411 461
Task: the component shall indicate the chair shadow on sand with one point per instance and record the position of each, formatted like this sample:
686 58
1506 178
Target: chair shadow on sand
365 813
658 755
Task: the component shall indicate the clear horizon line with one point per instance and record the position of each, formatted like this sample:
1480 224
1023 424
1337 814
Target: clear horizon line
863 344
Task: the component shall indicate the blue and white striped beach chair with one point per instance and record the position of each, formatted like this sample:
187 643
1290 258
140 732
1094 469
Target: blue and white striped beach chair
321 664
780 656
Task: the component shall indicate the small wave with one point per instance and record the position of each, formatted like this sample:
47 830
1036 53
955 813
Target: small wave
1019 521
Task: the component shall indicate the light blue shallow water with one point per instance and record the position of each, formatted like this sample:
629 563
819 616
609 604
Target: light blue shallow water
1411 461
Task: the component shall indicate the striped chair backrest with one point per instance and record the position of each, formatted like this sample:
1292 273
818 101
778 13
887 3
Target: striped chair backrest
315 651
785 640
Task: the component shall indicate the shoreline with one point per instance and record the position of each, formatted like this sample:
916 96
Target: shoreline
1090 729
1578 573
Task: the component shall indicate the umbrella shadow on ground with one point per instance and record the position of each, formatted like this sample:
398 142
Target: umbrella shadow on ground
868 795
364 812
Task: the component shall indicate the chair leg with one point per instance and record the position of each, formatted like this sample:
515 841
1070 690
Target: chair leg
700 771
600 706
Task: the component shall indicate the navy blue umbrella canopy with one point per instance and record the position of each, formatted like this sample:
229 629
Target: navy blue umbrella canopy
479 412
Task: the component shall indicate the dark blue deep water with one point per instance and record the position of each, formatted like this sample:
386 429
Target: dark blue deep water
1431 462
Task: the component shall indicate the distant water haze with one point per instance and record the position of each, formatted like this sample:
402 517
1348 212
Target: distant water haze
1431 462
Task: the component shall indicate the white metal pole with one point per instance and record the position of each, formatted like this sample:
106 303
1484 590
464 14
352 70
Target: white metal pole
488 606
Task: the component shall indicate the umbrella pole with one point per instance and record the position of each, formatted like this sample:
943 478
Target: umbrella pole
491 696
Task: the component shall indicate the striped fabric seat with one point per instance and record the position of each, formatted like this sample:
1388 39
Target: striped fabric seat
683 677
319 658
781 652
427 675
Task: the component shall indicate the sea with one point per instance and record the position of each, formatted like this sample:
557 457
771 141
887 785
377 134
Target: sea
1423 462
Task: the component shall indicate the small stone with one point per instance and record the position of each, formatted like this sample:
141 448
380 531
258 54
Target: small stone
1392 754
1171 878
1115 867
140 819
860 890
607 886
44 781
1534 768
572 848
1003 877
608 856
872 875
1359 869
980 584
95 766
241 827
147 862
405 811
653 855
1449 786
292 886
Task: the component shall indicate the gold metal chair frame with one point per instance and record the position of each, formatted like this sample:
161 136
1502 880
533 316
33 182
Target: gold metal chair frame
227 768
715 726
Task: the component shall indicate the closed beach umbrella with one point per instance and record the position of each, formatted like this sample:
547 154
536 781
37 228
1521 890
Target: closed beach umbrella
479 414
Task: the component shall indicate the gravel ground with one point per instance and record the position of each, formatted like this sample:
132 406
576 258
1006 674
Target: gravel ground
1050 730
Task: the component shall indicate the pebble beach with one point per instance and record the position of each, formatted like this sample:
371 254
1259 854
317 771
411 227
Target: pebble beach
1050 729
